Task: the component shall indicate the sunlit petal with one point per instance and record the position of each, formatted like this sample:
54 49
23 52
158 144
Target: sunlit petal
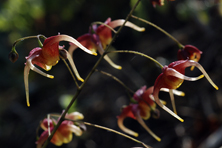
125 129
101 51
74 41
173 72
26 81
196 64
75 129
74 116
140 120
175 92
117 23
32 67
172 100
73 66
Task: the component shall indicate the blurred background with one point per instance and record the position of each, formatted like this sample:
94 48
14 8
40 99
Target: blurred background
194 22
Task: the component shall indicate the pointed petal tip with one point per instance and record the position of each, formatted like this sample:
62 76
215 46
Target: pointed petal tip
135 134
28 104
158 139
181 120
119 67
94 53
201 76
80 79
142 29
51 77
216 87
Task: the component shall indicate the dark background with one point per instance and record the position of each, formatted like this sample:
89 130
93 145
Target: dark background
192 22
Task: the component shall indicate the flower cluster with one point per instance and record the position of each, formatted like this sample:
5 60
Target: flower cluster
172 77
98 39
64 133
139 111
101 36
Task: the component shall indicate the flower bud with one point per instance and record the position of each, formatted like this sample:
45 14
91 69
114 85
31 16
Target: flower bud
13 56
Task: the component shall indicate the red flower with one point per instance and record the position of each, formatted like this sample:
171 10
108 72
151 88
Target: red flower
63 133
100 36
172 77
141 110
48 56
189 52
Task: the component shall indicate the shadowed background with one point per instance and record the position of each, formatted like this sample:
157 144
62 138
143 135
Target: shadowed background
190 21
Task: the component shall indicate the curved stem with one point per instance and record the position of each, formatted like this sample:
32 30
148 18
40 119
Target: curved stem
28 37
101 23
114 131
139 53
116 79
160 29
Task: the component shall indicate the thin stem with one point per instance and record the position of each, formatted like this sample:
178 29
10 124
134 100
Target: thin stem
116 79
160 29
77 85
119 133
28 37
139 53
87 78
101 23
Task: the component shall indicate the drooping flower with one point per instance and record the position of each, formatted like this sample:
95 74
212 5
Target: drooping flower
172 77
189 52
64 133
100 36
47 56
139 111
142 109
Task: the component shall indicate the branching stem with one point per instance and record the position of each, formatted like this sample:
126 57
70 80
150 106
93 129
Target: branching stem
87 78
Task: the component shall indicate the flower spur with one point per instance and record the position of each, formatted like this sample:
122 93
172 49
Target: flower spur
47 56
100 36
172 77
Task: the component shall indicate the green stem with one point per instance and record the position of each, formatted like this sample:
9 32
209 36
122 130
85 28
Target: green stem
119 133
87 78
139 53
28 37
101 23
160 29
116 79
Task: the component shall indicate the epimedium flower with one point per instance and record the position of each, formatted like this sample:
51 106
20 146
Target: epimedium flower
64 132
100 36
46 56
139 111
189 52
172 77
142 109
